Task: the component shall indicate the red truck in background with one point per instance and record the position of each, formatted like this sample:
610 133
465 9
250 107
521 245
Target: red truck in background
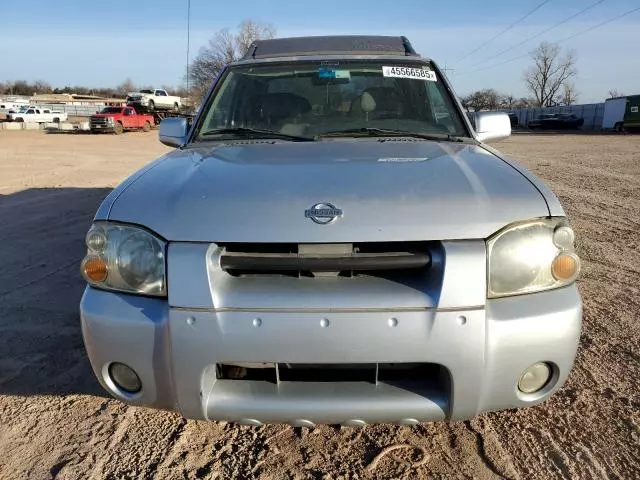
119 119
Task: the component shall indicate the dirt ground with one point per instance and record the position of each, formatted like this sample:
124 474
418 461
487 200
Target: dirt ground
56 422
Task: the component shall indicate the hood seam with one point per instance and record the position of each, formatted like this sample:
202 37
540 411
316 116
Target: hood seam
141 174
522 174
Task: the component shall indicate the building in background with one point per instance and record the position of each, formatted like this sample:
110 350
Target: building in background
77 100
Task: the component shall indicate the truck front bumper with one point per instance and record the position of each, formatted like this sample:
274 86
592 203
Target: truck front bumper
481 353
109 128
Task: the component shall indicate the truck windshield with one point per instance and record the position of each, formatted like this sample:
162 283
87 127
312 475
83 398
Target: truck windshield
311 99
111 110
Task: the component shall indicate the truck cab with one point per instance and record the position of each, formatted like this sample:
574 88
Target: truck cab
118 119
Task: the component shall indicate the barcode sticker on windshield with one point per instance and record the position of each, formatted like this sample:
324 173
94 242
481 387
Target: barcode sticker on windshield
409 72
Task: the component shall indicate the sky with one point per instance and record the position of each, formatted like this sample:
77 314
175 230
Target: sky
100 44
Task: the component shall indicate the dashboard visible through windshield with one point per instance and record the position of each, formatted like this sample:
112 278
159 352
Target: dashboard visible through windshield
312 98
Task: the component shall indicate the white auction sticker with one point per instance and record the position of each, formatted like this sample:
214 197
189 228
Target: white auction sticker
409 72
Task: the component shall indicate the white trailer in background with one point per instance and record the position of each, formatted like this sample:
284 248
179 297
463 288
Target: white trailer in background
12 104
613 116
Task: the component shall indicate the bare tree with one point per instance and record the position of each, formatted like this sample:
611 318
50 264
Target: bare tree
248 31
549 72
170 90
40 86
569 94
524 102
223 48
615 93
508 101
487 99
125 87
21 87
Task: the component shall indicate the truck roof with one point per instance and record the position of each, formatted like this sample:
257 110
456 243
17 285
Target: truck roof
330 45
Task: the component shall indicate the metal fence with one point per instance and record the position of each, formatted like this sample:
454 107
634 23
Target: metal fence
591 112
73 110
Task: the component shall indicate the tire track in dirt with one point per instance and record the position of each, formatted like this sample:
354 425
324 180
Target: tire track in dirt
57 422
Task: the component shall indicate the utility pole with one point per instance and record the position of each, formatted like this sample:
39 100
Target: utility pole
445 69
188 31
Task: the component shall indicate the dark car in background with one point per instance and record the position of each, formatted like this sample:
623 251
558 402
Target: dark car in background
557 121
540 119
566 121
513 118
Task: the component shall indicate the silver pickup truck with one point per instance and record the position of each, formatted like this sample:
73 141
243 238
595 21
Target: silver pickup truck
331 241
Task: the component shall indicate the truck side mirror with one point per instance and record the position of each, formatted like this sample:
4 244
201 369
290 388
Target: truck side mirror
491 126
173 131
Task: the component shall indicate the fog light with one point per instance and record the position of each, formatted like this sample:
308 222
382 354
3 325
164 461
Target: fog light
534 378
124 377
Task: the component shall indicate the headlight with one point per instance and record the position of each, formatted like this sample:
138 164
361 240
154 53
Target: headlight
125 258
531 257
109 119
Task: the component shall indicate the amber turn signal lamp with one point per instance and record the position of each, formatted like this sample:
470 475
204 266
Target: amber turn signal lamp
94 269
565 266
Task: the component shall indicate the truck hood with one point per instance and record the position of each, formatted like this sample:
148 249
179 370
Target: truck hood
396 190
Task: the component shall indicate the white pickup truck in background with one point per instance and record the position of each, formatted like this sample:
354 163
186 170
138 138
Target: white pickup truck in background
152 100
34 114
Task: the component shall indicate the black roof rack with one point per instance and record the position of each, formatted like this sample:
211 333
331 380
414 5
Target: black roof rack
328 45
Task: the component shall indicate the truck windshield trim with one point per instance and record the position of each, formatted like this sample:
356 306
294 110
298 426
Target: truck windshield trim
309 98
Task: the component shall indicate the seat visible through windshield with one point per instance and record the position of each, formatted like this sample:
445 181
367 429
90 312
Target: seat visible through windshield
310 98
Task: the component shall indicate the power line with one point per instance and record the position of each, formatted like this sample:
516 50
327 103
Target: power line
598 25
503 31
582 32
542 32
445 69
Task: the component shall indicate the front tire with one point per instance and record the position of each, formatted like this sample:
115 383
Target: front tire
56 120
152 106
118 128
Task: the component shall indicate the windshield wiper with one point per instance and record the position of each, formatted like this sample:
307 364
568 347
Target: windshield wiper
256 133
385 132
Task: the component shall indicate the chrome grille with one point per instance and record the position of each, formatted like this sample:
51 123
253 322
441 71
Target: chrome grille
98 122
